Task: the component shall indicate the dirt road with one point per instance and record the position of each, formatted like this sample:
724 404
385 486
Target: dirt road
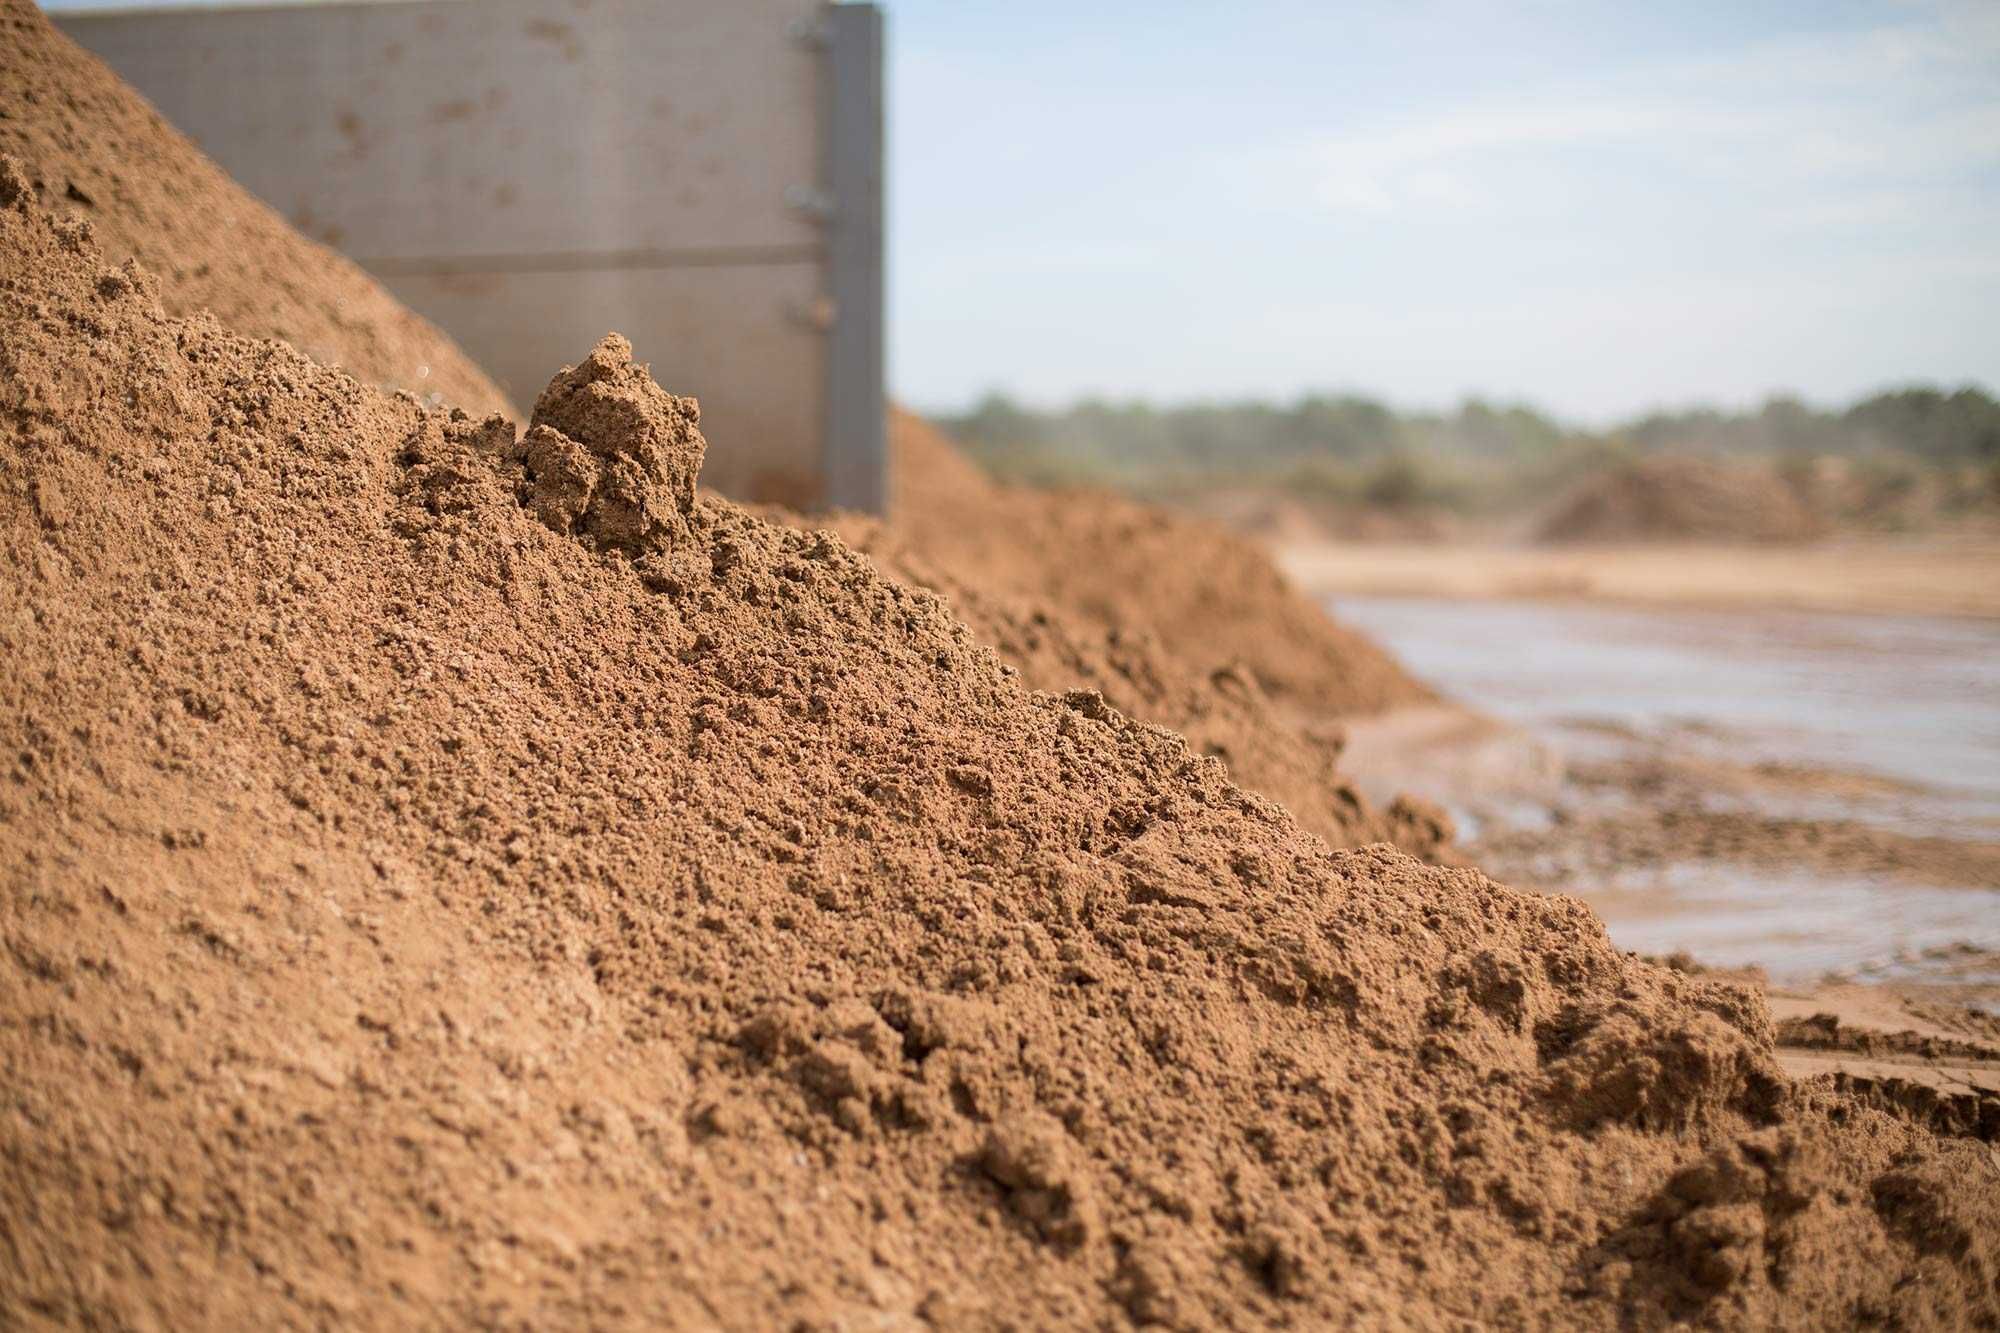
1942 576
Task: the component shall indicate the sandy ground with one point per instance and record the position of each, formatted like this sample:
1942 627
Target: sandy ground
1896 1042
1937 575
1916 1030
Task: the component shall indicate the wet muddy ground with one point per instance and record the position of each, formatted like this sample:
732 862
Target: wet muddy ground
1814 793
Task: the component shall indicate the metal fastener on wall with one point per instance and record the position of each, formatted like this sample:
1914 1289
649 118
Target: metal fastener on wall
814 202
856 458
808 30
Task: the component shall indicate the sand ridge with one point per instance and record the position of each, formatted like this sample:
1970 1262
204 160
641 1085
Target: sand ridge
91 144
1262 689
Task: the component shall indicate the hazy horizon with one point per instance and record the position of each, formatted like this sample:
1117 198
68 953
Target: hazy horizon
1498 402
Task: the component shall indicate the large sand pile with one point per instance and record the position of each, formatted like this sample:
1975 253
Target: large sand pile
1674 499
93 145
453 880
955 532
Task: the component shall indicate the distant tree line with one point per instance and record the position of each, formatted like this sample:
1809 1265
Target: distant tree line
1353 446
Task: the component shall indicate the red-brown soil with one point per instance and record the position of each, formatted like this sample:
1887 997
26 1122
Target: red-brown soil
1208 596
459 880
1252 694
92 145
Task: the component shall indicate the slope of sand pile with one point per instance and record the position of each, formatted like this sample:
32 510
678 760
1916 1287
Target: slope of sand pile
93 145
1673 499
1209 596
1071 604
453 880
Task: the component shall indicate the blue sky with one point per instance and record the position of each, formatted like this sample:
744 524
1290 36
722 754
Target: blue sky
1596 207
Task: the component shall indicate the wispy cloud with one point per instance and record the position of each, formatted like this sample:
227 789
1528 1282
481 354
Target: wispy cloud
1920 99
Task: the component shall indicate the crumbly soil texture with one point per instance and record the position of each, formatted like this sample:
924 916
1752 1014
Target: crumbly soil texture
1174 621
457 876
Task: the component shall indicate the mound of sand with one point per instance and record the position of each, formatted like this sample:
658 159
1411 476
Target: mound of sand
93 145
1674 499
453 879
952 520
1210 597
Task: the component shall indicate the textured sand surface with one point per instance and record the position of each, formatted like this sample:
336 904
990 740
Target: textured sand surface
1174 621
459 879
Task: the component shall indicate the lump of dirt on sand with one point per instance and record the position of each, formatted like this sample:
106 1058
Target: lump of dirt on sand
1031 1158
1772 1213
1629 1064
610 456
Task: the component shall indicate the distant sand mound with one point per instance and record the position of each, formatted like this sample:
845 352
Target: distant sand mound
1676 499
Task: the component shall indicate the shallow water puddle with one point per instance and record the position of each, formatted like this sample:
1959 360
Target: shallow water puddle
1892 722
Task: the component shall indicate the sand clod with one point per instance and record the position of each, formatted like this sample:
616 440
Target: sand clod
612 456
